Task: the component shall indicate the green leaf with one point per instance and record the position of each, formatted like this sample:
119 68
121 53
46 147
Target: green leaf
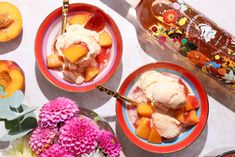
20 127
11 124
6 103
97 118
5 111
15 135
10 114
27 123
16 99
26 110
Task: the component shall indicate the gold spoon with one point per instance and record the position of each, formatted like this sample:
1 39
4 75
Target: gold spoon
144 109
65 10
115 94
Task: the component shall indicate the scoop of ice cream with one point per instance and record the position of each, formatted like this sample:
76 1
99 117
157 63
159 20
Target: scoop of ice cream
166 125
161 89
76 34
169 94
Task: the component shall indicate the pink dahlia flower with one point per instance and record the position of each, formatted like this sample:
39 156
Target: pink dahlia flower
79 135
57 111
109 144
56 151
42 138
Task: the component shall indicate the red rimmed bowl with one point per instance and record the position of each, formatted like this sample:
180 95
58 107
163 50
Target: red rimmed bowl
184 139
45 40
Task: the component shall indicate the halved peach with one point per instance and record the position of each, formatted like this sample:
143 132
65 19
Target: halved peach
11 77
10 22
105 39
144 128
74 52
80 18
91 72
154 136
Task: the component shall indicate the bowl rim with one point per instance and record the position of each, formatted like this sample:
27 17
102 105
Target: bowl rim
39 41
198 128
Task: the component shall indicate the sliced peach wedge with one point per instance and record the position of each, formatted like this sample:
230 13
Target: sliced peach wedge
143 128
105 39
11 77
191 103
191 118
91 72
80 18
74 52
145 109
55 61
10 22
154 136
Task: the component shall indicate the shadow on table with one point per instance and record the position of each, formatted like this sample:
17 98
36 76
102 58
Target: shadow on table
131 150
213 88
221 151
4 145
91 99
9 46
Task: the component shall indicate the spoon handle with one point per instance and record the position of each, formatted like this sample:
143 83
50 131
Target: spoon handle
65 10
114 94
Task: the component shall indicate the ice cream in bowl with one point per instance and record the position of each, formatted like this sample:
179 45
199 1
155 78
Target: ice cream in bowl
86 54
172 108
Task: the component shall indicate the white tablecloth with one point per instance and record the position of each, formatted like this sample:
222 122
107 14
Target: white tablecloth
218 135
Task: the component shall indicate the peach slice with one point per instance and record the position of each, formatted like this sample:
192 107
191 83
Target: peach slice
139 121
80 19
74 52
154 136
105 39
180 115
55 61
144 128
11 77
96 23
191 118
191 103
90 73
145 110
10 22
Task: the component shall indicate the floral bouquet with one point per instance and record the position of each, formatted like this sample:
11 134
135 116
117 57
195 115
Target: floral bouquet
62 131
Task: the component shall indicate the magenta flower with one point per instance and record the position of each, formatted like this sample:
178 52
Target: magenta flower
56 151
109 144
79 135
57 111
42 138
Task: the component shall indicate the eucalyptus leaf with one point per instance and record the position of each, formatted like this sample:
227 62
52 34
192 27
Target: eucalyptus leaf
6 103
14 135
26 110
13 123
27 123
17 99
5 111
20 127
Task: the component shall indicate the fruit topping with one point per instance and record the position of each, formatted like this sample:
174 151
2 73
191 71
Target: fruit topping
96 22
74 52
